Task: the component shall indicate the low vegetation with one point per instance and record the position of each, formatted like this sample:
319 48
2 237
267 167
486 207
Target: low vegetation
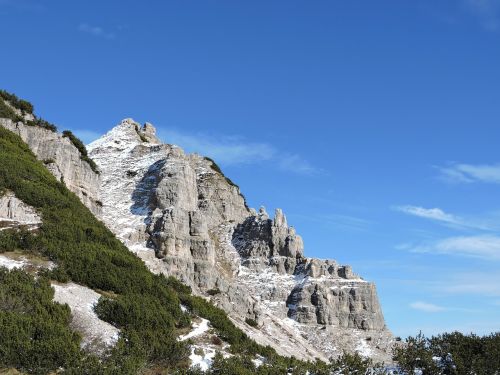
34 331
215 167
21 104
213 292
251 322
450 353
24 107
42 124
8 112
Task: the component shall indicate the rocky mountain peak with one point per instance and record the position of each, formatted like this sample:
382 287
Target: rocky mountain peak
184 218
128 134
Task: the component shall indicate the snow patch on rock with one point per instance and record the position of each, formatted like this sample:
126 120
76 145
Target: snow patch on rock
198 329
204 360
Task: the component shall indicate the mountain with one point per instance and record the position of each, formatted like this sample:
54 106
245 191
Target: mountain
66 213
184 218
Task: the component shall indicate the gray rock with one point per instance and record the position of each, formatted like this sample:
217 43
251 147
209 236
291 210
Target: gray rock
184 218
14 212
62 159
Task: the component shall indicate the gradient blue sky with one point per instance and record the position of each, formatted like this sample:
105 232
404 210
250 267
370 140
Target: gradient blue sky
373 124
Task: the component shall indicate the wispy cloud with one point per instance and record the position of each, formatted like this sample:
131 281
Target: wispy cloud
438 215
439 283
485 247
475 283
426 307
468 173
294 162
338 221
428 213
487 11
96 31
231 150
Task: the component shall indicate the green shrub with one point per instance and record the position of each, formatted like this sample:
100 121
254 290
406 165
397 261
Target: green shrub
42 124
251 322
23 105
457 353
216 340
35 335
8 112
213 292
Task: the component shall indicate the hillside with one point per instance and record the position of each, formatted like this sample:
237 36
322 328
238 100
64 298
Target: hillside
66 246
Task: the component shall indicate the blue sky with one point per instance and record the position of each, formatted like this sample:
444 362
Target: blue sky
373 124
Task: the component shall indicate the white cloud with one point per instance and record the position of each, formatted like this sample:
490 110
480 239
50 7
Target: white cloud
96 31
468 173
337 221
429 213
426 307
487 223
480 246
228 150
295 163
475 283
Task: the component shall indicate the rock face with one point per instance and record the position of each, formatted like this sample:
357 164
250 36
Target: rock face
15 213
62 159
184 218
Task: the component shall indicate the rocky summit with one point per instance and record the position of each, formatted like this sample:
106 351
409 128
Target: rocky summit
184 218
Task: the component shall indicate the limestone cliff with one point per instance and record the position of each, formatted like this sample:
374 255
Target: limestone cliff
62 159
15 213
184 218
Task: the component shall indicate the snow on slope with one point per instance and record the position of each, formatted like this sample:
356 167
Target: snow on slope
10 263
198 329
96 334
125 160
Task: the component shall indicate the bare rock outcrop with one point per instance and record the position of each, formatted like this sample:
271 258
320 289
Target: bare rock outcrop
62 159
184 218
15 213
